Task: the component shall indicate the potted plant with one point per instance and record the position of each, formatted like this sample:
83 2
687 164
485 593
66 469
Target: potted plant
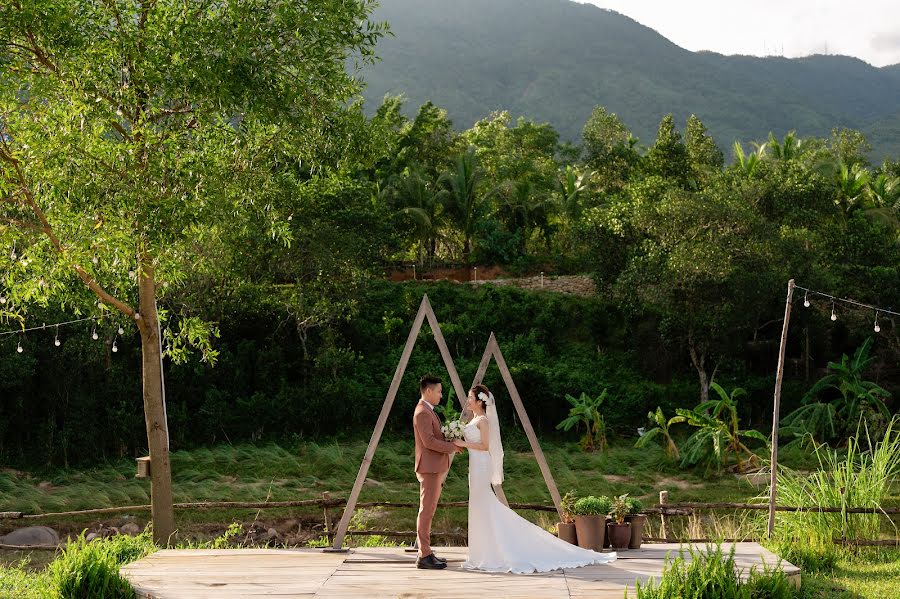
565 530
590 517
636 519
619 530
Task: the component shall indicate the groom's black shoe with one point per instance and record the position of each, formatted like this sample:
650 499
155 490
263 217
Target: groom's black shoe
440 559
429 562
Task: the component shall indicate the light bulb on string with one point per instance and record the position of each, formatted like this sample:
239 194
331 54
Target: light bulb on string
19 347
833 315
95 260
806 299
94 334
115 346
877 326
121 331
2 299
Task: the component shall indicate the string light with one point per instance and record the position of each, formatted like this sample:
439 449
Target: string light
843 300
19 347
115 347
56 337
121 331
94 334
2 299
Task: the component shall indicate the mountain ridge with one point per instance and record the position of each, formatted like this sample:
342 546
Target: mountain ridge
555 60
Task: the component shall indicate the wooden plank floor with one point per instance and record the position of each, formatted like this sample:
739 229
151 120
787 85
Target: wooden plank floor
391 572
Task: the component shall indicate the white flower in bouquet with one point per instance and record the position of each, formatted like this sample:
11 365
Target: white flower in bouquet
453 430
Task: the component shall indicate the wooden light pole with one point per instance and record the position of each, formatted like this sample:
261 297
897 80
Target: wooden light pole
778 378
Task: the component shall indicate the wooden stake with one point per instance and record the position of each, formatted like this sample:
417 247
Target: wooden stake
777 403
664 520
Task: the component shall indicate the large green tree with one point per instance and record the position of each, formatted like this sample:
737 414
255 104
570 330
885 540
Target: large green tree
133 129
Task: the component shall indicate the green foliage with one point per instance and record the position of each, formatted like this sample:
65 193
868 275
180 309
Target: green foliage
862 476
91 569
660 430
831 419
567 504
710 573
718 434
593 506
586 411
635 505
620 508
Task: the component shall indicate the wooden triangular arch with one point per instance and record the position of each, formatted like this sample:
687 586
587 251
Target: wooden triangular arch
492 349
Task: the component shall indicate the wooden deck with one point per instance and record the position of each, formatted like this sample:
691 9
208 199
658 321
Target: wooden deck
390 572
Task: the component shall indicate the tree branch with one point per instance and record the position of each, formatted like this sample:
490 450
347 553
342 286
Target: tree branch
47 230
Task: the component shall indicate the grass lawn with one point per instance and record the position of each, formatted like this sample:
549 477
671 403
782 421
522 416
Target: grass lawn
274 472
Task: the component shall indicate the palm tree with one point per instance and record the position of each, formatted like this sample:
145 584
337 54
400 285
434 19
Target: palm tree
571 186
416 199
748 162
789 148
463 197
852 184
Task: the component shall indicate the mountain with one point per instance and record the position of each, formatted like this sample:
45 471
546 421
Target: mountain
554 60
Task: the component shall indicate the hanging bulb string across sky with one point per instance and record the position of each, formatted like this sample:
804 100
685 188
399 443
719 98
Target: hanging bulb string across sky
835 300
56 340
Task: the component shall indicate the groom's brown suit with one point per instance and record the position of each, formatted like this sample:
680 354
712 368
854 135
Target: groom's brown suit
432 463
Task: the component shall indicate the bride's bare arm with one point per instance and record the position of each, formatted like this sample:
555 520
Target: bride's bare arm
485 443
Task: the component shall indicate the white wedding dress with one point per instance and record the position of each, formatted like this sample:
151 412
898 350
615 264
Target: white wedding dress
502 541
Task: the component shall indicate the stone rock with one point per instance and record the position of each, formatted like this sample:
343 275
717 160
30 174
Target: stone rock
371 482
92 536
131 529
45 486
33 535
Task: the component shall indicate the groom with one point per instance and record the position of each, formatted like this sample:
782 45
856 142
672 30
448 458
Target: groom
432 463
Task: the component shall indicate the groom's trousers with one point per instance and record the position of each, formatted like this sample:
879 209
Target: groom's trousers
429 493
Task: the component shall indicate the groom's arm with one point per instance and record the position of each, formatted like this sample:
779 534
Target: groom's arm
423 424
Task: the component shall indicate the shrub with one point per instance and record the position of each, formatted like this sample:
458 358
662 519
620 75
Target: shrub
712 574
90 570
593 506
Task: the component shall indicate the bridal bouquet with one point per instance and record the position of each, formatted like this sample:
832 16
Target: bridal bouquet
453 430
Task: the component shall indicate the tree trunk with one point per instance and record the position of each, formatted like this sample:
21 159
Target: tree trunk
155 412
698 359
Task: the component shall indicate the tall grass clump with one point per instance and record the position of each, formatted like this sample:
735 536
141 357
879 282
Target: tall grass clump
862 477
90 570
711 574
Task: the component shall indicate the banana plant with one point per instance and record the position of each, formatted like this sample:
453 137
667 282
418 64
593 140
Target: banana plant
660 430
585 411
718 433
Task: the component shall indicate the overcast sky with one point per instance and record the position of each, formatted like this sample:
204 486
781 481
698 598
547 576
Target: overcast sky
866 29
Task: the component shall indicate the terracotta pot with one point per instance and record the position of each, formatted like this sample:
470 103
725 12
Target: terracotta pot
590 531
566 532
619 535
637 530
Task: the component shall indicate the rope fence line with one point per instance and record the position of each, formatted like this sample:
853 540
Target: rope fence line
666 509
669 509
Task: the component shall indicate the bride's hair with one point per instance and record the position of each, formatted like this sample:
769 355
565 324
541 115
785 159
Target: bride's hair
479 388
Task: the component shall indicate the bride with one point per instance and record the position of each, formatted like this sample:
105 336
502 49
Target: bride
499 539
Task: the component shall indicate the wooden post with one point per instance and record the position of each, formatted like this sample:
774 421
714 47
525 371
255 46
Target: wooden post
773 477
663 519
328 527
424 310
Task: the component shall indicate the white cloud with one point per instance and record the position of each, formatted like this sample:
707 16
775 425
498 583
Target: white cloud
866 29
